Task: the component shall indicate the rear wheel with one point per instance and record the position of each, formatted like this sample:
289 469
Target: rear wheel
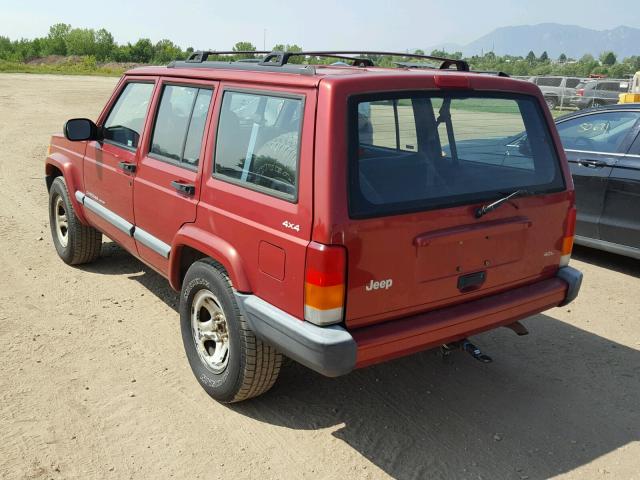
75 242
228 360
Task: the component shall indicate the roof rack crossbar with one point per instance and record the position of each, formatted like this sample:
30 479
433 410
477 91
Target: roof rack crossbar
202 55
361 58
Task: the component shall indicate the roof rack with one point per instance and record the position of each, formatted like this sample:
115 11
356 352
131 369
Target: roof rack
358 58
202 55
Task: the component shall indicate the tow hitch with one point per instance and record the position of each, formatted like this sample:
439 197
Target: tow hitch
466 346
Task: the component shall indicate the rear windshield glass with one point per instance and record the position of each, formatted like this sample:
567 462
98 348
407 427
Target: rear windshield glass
425 151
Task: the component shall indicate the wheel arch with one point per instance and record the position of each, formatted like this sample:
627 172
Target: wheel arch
57 165
192 244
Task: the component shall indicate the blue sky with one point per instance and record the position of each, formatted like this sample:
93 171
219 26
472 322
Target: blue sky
364 24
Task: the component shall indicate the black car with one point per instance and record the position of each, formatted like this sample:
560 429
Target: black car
598 93
603 149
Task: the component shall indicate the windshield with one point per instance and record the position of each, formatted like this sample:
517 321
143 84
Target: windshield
423 151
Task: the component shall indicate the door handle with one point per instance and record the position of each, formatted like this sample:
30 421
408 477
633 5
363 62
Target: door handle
127 167
592 163
186 188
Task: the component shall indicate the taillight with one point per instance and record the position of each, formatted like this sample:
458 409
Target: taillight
567 240
580 92
324 283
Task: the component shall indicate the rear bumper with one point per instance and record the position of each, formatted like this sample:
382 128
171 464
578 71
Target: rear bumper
334 351
330 351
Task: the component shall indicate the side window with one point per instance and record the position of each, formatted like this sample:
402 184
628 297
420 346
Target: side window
196 128
258 140
126 119
572 82
549 81
177 134
608 86
602 132
388 124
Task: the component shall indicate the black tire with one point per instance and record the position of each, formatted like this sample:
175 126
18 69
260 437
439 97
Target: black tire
83 243
252 366
552 102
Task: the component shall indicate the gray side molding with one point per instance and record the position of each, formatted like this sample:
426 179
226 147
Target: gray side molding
330 351
115 220
608 246
573 278
152 242
121 224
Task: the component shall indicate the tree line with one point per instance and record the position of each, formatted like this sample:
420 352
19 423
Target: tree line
99 46
64 40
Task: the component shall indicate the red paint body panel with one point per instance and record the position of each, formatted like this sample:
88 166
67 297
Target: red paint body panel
106 183
245 230
271 260
211 245
246 217
66 157
412 334
370 241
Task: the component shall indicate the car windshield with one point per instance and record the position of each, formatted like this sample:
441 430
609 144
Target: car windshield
424 151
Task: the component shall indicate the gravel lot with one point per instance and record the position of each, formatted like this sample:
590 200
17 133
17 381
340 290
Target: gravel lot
95 384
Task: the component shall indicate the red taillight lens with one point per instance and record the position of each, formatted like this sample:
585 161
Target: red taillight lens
324 285
569 233
580 92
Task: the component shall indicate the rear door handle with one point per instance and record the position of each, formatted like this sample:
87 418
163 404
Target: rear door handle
127 167
592 163
186 188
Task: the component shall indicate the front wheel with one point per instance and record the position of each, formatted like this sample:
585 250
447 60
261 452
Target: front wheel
230 363
75 242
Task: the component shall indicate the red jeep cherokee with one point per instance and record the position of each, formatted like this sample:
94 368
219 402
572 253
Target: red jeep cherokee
338 215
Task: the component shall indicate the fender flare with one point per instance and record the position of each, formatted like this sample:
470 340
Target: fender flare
72 178
212 246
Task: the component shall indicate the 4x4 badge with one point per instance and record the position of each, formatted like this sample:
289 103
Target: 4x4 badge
291 226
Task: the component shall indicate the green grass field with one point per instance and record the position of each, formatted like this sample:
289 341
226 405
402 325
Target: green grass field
61 69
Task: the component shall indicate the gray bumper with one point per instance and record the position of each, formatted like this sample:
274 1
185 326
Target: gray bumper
330 351
573 278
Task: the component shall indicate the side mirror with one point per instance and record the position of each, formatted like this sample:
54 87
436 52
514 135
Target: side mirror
80 129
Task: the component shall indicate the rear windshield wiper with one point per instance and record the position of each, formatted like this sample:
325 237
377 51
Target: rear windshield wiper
492 206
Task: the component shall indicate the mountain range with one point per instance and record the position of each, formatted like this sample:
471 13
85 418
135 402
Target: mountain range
554 38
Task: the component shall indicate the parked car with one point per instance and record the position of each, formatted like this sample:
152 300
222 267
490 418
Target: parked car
320 212
557 90
598 93
603 149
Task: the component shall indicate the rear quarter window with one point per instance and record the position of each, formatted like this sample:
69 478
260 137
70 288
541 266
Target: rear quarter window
258 142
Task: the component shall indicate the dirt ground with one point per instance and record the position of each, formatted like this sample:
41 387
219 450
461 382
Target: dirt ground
94 382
